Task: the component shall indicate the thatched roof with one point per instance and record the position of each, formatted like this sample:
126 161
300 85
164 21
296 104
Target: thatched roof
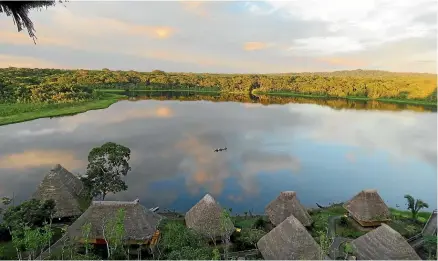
383 243
289 241
287 204
64 188
140 223
368 206
206 218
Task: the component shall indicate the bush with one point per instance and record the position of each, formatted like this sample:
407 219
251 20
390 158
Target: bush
343 221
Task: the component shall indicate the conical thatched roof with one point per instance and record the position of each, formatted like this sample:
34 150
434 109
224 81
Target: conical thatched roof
368 206
206 218
383 243
289 241
287 204
140 223
64 188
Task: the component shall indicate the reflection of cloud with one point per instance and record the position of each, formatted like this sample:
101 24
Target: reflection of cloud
38 158
69 124
251 105
351 157
210 170
399 133
235 198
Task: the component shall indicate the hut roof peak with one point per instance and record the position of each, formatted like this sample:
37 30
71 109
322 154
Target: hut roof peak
369 190
208 199
288 194
287 204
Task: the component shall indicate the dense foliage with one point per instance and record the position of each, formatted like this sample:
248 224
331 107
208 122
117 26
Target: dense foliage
42 85
32 213
106 166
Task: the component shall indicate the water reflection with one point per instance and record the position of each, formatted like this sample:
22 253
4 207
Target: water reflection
324 154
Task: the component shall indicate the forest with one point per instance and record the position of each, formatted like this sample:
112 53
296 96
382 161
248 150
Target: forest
24 85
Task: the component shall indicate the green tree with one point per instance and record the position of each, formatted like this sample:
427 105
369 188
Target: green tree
86 231
430 245
415 205
106 167
113 230
251 236
32 213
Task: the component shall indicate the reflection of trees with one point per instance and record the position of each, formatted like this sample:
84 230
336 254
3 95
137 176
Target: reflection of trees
335 103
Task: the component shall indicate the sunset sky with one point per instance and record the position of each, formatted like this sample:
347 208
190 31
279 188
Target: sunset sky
227 37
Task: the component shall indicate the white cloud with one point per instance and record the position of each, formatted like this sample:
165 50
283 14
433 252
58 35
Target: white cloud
358 24
326 45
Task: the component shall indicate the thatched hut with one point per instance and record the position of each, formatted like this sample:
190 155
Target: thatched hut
287 204
368 208
140 223
206 218
289 241
65 189
383 243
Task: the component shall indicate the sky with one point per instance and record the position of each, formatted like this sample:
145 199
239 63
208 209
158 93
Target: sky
228 36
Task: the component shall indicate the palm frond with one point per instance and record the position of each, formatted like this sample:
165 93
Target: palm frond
19 10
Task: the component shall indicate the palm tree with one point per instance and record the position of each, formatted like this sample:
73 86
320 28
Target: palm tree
415 205
19 10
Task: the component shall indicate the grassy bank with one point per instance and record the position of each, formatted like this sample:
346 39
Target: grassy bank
392 100
20 112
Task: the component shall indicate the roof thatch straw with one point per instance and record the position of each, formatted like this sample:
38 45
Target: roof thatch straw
206 218
287 204
368 206
139 222
383 243
19 10
289 241
64 188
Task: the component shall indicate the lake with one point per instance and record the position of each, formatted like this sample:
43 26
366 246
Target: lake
325 153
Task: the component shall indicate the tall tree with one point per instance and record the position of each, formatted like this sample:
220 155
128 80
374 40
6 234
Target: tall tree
106 167
415 205
19 10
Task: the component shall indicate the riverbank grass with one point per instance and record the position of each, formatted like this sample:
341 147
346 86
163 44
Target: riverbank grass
20 112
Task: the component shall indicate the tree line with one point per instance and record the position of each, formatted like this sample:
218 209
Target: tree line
55 85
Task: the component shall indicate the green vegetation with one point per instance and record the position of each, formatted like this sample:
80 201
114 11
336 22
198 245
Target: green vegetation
415 205
106 166
321 217
33 93
20 112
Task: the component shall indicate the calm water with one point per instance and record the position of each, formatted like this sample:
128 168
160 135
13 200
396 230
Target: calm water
324 154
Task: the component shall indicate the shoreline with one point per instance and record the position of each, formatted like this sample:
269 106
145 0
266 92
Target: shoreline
387 100
28 111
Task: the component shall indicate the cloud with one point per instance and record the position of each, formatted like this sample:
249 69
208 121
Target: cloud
355 63
196 7
26 62
253 46
223 37
356 25
38 158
